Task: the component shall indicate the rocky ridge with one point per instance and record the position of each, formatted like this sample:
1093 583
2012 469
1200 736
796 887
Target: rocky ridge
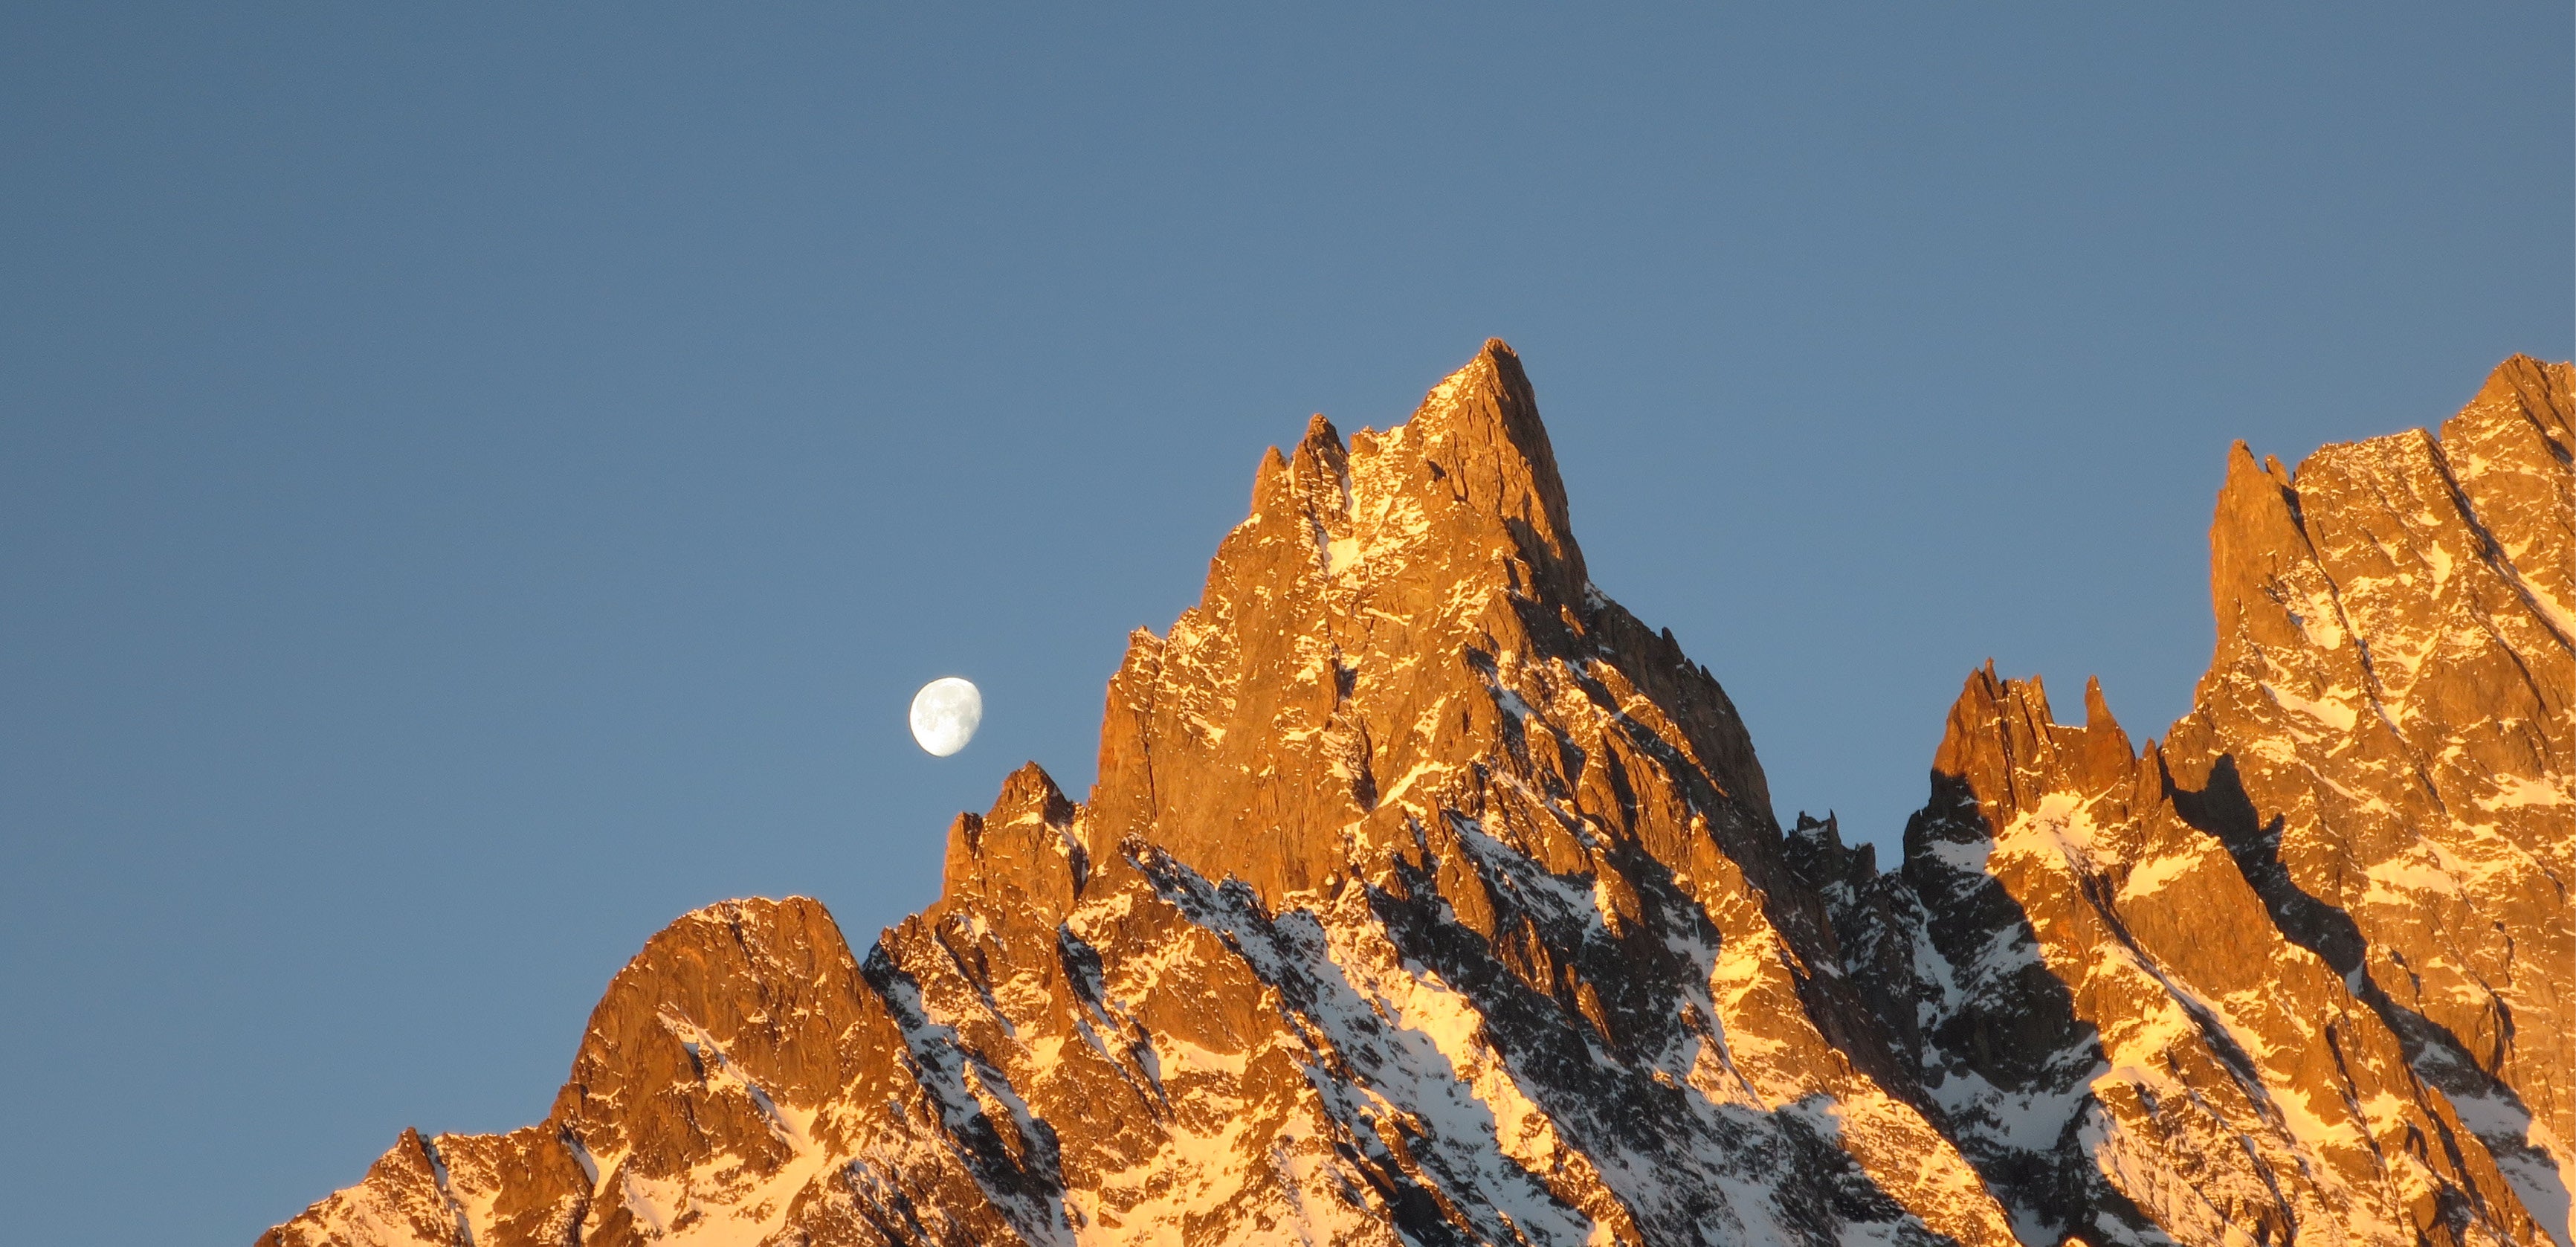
1427 896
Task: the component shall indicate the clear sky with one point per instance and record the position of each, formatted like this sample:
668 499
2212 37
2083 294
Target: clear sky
477 483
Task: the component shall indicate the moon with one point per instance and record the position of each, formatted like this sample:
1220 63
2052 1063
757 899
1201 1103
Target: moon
945 713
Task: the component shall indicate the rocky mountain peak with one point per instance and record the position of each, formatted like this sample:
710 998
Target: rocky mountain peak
1371 582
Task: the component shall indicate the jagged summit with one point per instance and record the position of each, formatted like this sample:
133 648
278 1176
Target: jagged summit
1427 896
1370 583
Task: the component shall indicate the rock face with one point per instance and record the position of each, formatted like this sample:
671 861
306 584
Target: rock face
1426 896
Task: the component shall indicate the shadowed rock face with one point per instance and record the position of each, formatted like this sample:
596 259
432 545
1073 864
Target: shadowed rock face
1426 896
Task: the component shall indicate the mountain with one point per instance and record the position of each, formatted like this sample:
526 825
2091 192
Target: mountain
1427 896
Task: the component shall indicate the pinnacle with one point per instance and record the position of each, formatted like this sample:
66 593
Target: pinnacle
2254 532
2241 463
1019 845
2518 375
2004 744
2524 390
1030 790
1973 715
1493 376
2097 711
1480 430
1322 464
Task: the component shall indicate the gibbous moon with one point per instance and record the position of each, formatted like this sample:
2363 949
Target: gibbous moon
944 715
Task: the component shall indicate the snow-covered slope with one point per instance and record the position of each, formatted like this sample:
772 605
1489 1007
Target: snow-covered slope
1426 896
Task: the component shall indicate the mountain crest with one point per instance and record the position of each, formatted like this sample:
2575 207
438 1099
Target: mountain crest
1427 896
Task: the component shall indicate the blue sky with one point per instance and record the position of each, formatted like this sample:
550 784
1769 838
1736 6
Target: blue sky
480 482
